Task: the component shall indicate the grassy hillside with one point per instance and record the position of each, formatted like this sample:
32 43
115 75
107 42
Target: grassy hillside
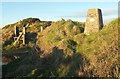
64 50
31 31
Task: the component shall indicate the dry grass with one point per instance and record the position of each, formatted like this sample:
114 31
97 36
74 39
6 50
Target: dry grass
68 52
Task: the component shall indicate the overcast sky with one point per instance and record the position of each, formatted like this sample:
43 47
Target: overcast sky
53 11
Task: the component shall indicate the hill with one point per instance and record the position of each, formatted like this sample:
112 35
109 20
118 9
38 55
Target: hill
32 30
62 50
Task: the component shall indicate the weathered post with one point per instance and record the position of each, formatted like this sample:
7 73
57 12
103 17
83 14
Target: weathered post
16 31
41 28
24 32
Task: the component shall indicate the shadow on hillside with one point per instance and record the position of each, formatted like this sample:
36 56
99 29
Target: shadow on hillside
47 66
9 42
53 58
31 37
49 63
77 64
57 59
82 30
27 61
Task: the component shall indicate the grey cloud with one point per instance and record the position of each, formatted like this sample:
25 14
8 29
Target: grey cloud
105 12
76 14
110 12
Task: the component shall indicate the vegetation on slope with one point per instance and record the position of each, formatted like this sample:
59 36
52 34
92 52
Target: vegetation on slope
31 31
64 50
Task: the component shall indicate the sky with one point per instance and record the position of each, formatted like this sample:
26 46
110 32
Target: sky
59 1
12 12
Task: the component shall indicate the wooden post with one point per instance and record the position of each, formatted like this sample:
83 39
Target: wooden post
24 33
16 31
41 28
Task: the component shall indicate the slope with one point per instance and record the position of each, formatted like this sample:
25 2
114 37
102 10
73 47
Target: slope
64 50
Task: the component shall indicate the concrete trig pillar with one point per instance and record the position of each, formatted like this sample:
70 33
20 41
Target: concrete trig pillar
94 21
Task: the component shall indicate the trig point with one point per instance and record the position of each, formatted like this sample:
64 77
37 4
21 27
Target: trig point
94 21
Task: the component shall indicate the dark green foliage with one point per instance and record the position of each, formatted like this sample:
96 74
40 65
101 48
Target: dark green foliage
57 38
29 20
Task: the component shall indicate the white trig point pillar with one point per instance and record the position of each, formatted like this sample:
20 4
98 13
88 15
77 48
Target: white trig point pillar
94 21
